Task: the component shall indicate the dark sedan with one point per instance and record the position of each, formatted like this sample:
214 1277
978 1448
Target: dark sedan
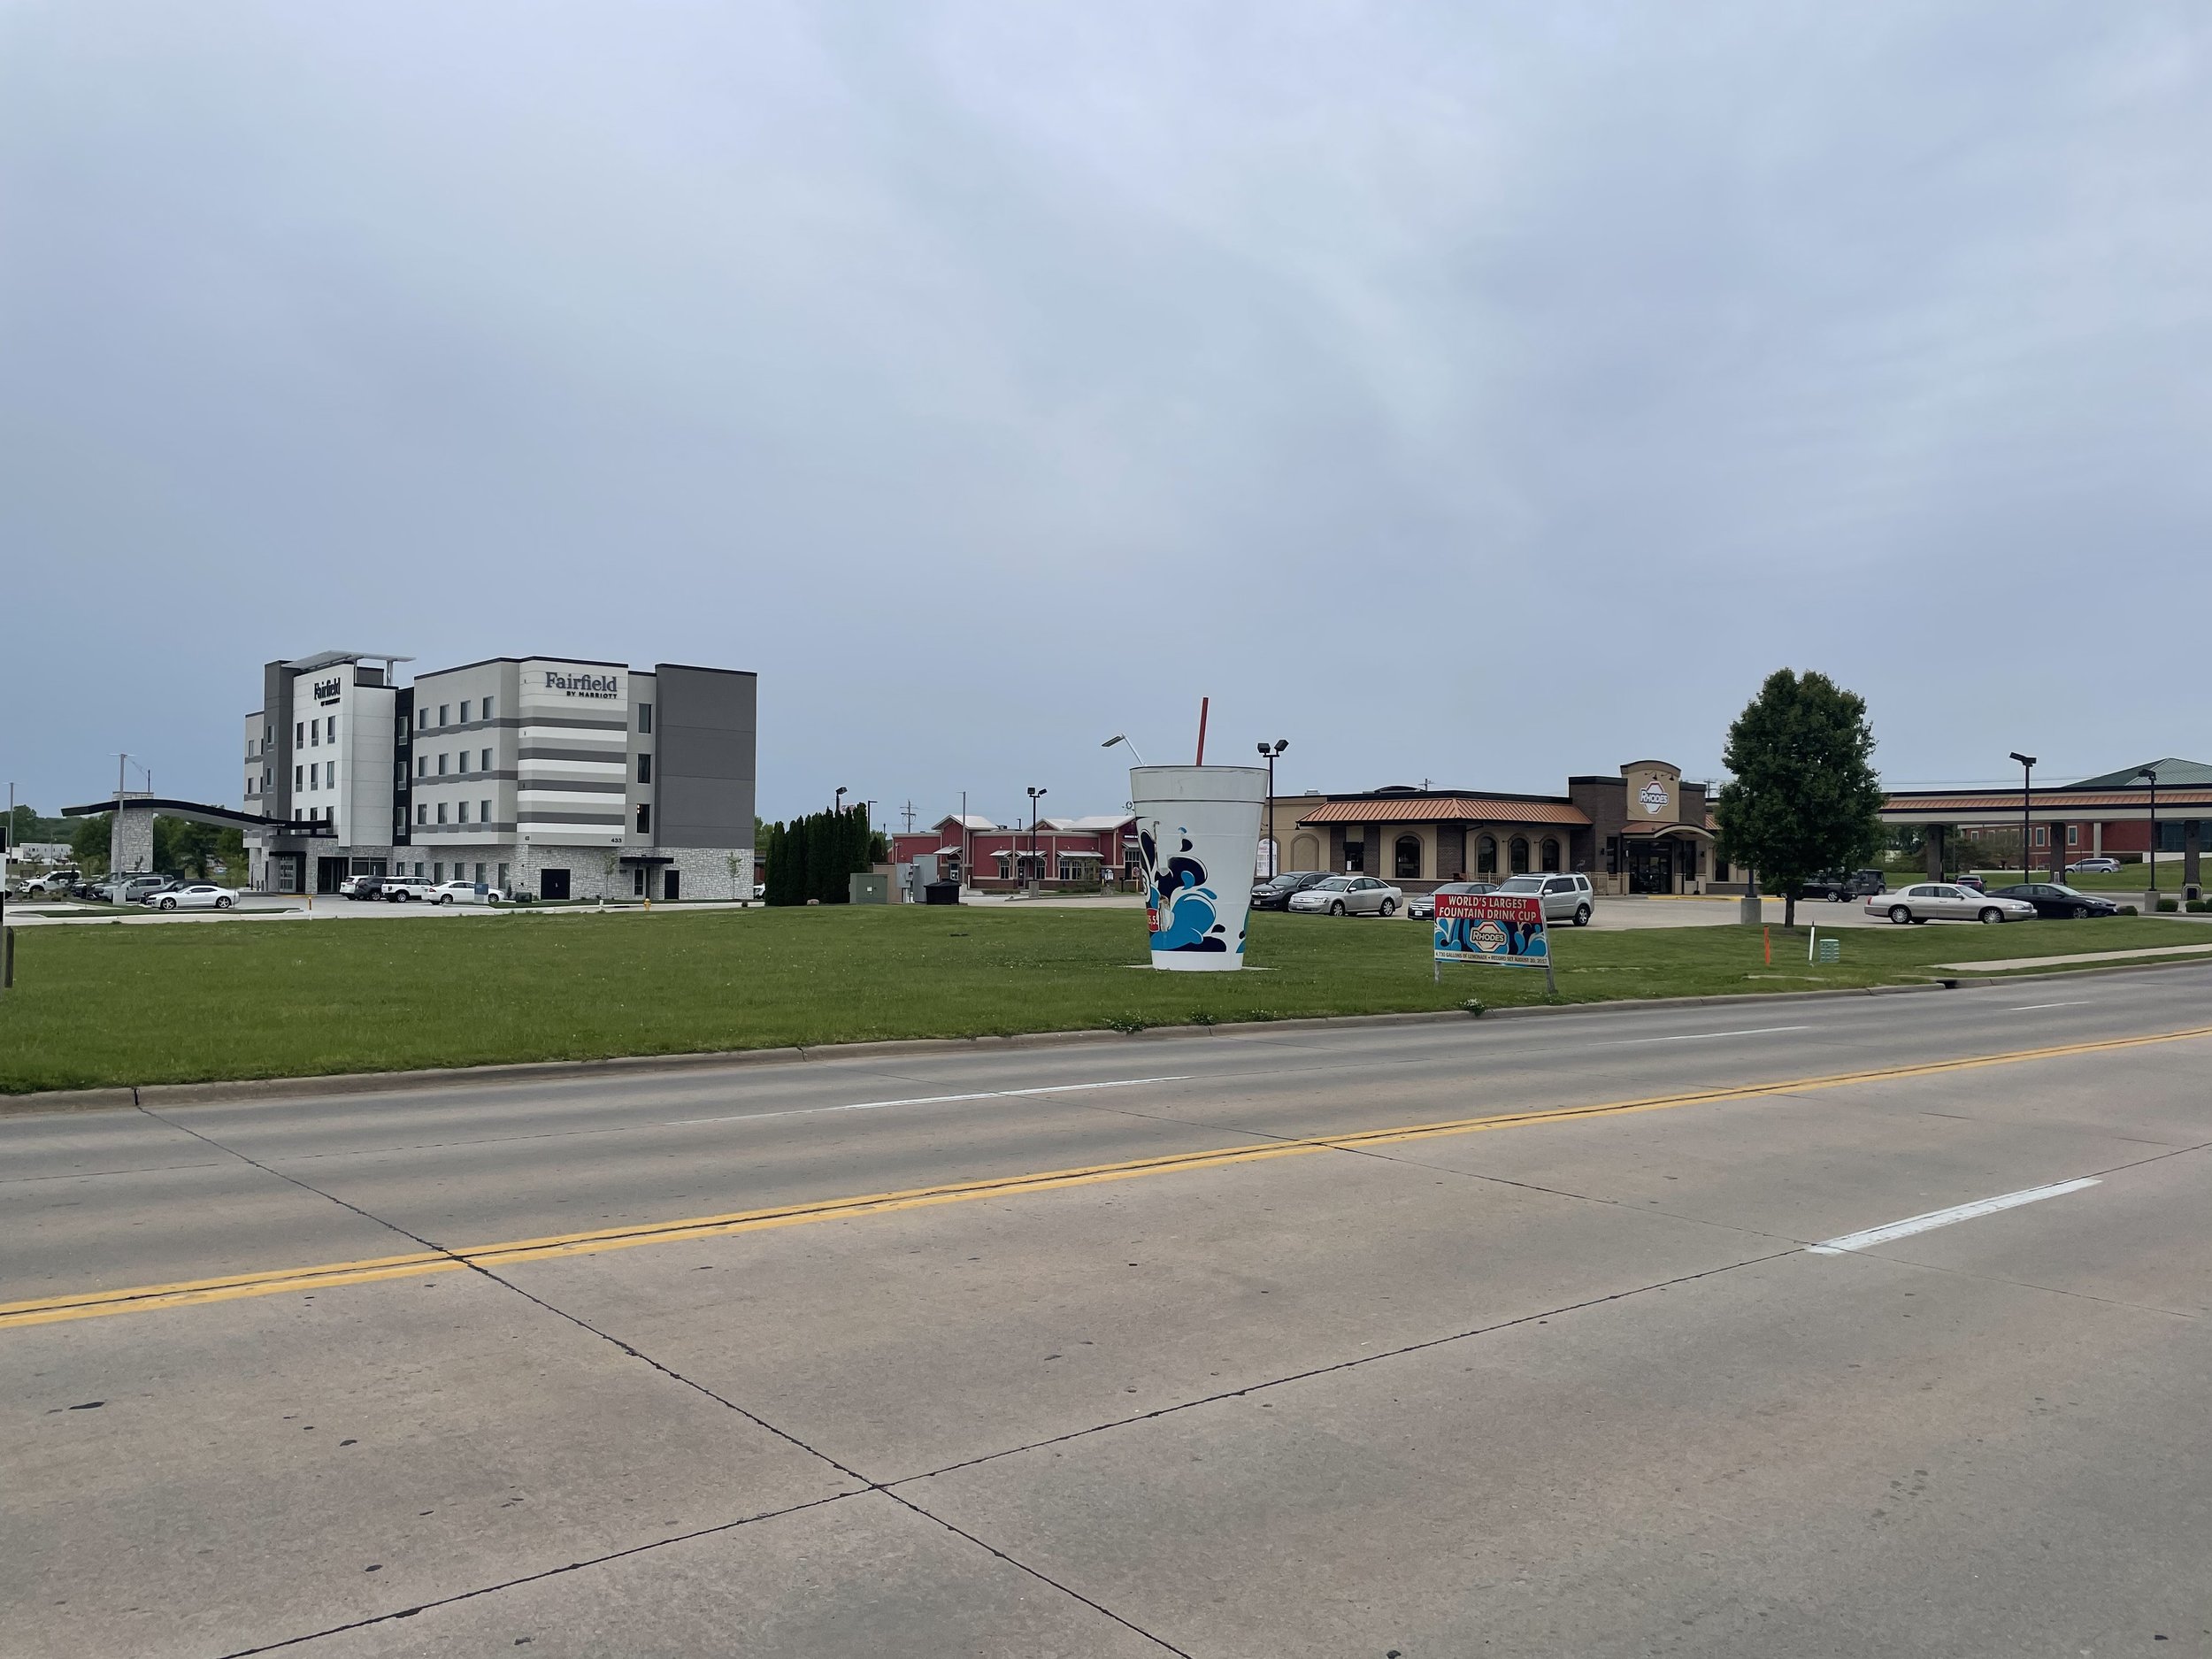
1274 893
2050 899
1422 906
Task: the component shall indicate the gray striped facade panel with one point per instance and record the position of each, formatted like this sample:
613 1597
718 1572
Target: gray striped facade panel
613 821
593 755
573 785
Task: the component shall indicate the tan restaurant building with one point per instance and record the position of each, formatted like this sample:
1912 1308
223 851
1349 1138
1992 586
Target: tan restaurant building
1641 830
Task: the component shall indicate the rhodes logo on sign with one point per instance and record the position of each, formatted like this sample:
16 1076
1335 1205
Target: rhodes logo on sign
1654 795
605 688
327 690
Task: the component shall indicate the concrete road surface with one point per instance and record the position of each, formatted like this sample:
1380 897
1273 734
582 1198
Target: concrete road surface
1430 1341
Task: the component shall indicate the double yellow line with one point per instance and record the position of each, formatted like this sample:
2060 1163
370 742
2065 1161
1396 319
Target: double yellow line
189 1292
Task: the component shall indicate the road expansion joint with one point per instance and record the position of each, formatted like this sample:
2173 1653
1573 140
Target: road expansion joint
1042 1578
1337 1366
464 1260
375 1619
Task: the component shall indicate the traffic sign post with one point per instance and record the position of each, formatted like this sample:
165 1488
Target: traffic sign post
1505 929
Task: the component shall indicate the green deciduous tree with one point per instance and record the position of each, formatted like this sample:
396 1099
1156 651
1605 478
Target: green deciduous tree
88 839
1803 796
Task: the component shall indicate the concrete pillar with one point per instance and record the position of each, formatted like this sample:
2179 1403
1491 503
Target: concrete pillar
131 839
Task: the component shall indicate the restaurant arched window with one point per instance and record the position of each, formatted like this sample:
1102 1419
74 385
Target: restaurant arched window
1551 853
1518 848
1487 855
1405 859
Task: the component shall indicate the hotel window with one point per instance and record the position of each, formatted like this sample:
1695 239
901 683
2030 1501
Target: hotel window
461 811
483 811
645 717
487 708
330 728
461 761
418 869
644 818
465 711
442 760
440 811
485 764
503 875
645 769
422 719
314 734
299 777
445 714
437 870
422 815
299 735
422 765
637 882
480 872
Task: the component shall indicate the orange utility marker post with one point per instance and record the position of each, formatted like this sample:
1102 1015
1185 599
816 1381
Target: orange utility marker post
1766 936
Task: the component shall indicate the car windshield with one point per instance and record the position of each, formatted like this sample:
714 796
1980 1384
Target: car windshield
1334 884
2064 891
1523 884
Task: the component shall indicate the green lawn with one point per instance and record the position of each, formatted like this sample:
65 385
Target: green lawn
102 1005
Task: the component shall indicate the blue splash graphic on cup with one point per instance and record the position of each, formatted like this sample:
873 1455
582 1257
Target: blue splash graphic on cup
1181 910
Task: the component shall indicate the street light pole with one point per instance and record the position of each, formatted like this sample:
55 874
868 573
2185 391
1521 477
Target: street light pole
2150 907
1268 752
1035 877
2027 772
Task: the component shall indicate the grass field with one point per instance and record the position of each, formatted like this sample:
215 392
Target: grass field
104 1005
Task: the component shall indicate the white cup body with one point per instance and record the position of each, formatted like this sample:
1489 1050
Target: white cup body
1198 830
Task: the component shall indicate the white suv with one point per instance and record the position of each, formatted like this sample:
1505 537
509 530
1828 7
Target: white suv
406 890
1566 898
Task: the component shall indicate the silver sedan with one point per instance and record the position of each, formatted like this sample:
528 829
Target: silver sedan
1349 895
200 896
1939 901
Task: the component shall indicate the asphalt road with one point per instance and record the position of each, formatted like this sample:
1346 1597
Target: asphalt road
1436 1339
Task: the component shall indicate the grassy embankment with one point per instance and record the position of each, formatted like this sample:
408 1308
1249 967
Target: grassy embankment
105 1005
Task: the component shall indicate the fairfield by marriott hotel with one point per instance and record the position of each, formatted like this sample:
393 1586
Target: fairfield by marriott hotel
557 777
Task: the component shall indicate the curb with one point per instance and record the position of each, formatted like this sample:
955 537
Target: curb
247 1090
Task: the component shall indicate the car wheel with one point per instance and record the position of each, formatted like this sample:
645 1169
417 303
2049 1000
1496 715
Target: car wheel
1898 914
445 898
222 904
1835 896
168 904
1991 914
1582 916
2080 911
1389 907
1336 907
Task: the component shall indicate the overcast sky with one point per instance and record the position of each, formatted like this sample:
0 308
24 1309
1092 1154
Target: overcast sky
1482 394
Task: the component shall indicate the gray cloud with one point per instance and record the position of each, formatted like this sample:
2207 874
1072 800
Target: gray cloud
1517 386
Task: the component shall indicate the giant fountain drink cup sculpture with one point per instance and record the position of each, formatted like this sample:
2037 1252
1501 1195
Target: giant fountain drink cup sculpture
1198 831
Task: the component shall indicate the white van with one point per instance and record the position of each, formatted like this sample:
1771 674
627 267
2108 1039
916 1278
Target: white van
1567 898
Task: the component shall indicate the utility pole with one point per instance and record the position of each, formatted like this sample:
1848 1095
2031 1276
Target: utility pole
909 810
1036 794
2027 774
2150 898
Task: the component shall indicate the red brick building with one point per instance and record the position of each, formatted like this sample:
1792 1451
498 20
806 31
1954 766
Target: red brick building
1060 852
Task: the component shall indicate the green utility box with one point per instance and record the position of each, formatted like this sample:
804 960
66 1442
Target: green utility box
868 888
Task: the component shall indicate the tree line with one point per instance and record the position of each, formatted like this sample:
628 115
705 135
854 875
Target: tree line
808 858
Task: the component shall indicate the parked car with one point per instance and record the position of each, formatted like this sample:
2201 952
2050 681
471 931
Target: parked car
54 882
1349 895
359 886
1422 906
1274 893
1949 901
2052 898
1974 882
464 892
1836 885
2099 865
405 890
130 889
197 896
1567 898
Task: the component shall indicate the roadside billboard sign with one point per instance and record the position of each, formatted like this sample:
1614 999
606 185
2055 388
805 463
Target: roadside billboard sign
1504 929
